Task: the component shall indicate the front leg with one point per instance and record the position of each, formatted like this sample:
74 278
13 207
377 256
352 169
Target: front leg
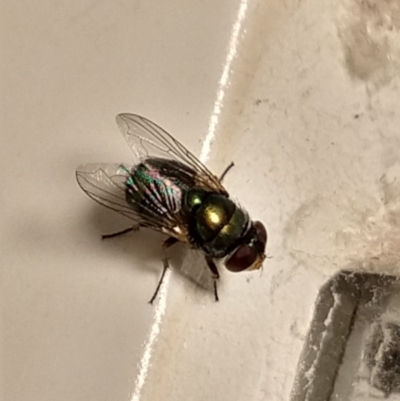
226 171
215 275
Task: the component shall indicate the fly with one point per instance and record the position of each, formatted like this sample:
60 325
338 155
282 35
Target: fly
169 190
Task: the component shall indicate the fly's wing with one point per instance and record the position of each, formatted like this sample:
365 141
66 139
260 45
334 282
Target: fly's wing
149 140
106 184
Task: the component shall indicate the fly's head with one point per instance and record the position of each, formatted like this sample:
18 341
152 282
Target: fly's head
250 253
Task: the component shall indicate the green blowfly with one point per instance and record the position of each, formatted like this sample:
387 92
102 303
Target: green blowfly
169 190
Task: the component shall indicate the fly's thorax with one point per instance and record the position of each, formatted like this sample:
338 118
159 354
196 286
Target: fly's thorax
216 222
193 200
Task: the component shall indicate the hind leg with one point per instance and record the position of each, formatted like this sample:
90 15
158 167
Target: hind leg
166 244
117 234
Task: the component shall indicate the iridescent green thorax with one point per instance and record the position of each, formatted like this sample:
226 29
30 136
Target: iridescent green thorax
216 223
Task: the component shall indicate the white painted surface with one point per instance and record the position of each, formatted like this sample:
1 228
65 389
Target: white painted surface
310 116
75 317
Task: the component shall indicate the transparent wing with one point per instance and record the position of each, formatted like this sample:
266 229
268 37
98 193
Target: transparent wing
106 184
149 140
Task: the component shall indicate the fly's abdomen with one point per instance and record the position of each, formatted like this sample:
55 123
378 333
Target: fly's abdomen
156 186
216 222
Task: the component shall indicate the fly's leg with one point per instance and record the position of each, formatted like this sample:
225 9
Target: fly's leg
117 234
166 244
226 171
215 275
